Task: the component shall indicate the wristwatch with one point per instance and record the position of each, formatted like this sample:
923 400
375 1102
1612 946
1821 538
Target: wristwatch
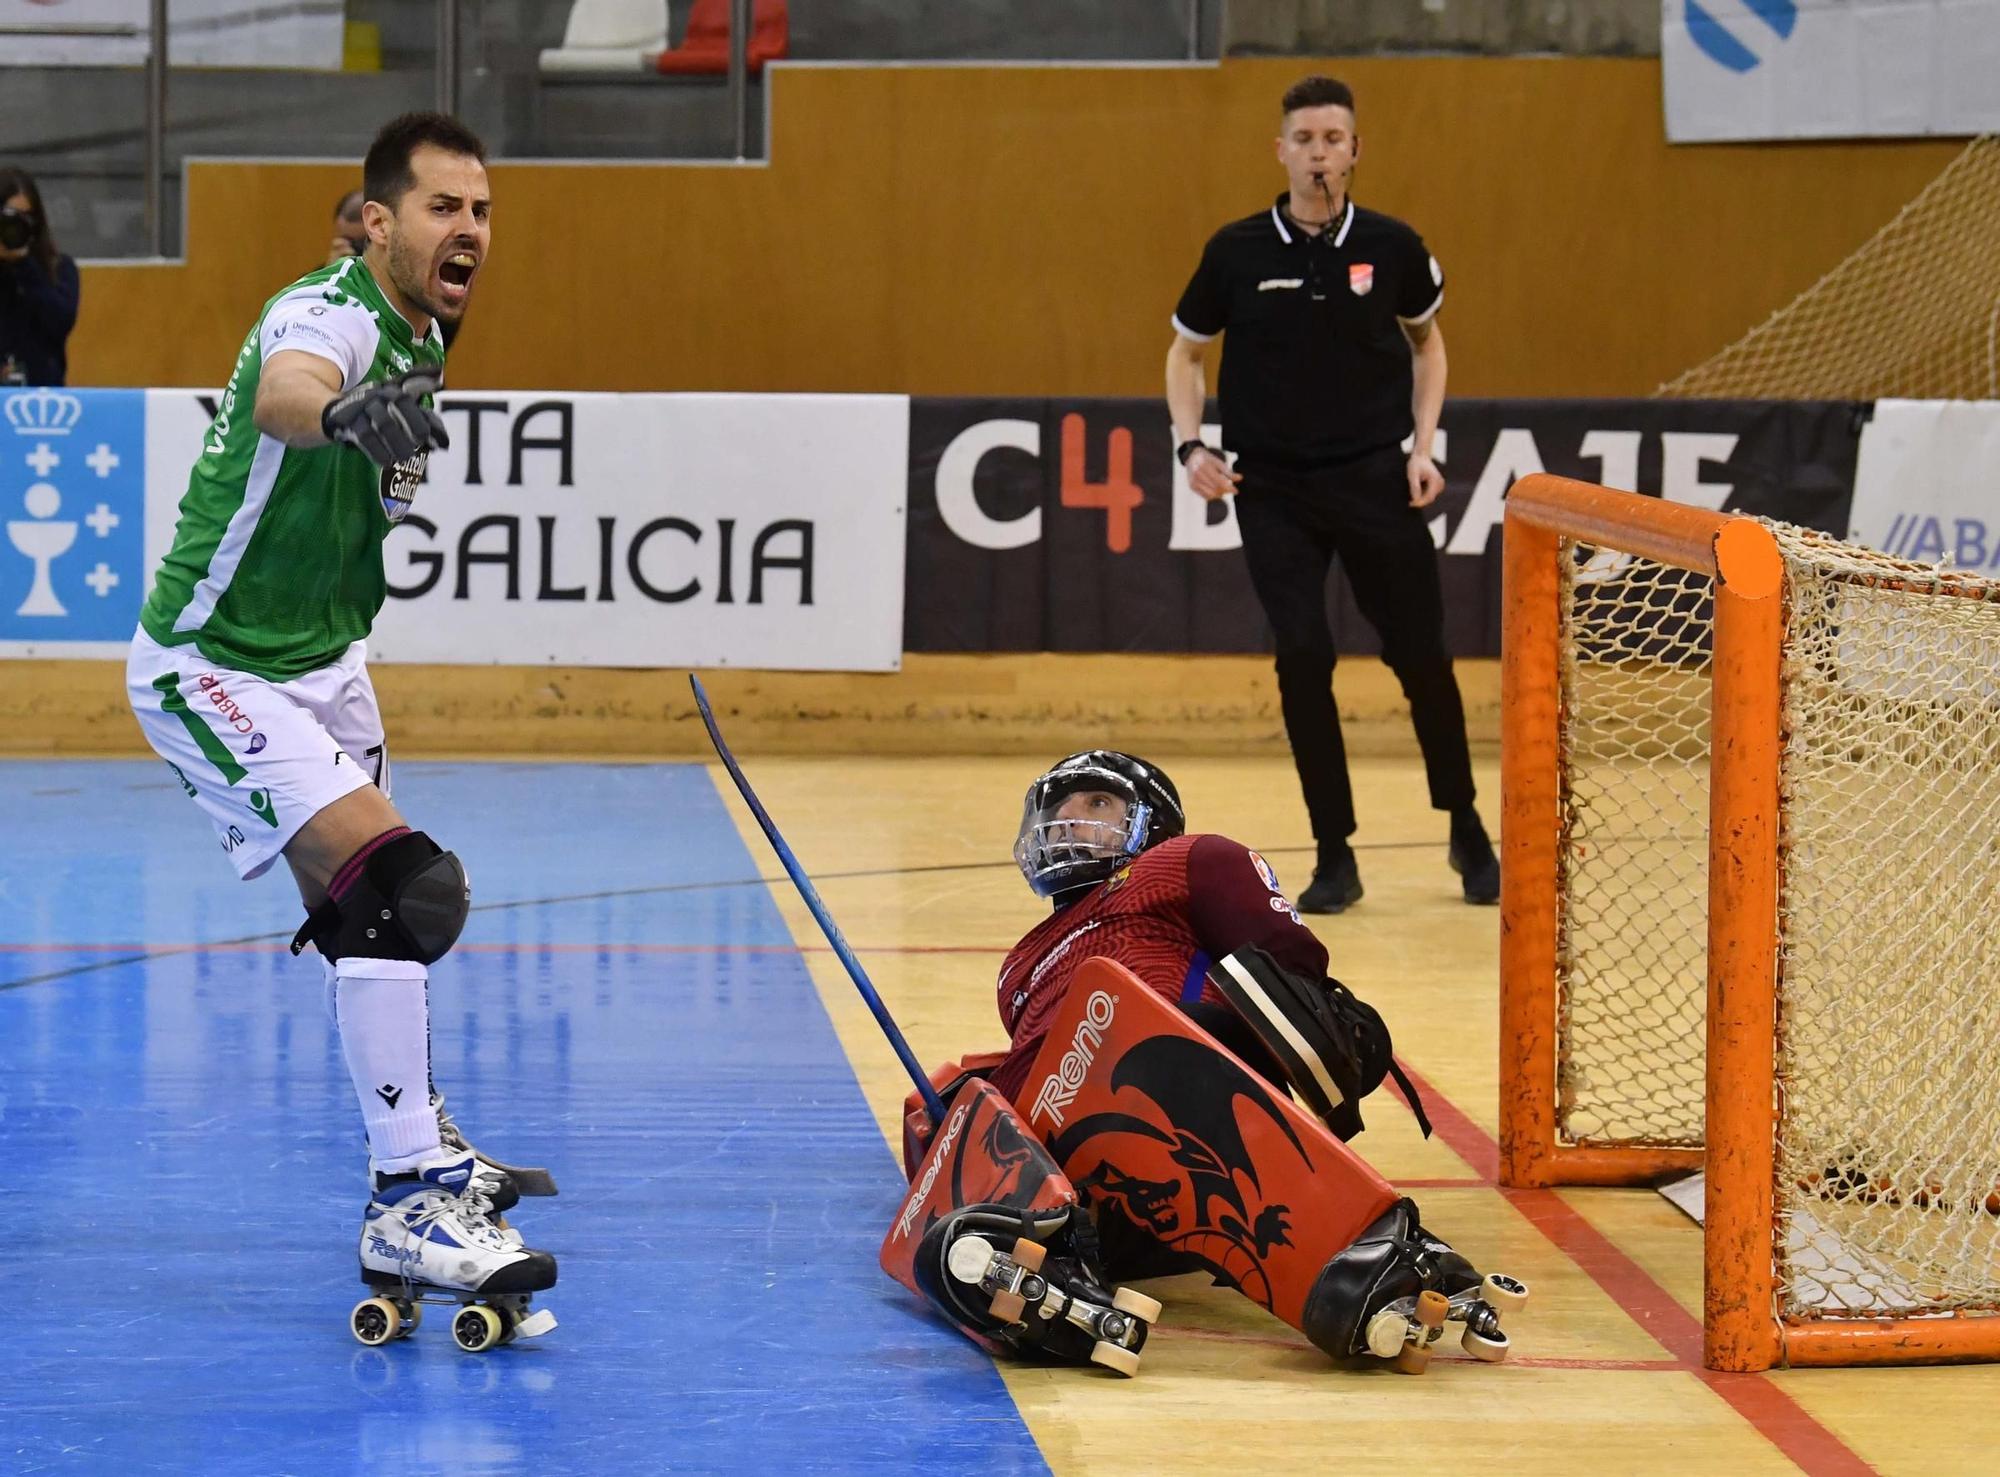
1188 448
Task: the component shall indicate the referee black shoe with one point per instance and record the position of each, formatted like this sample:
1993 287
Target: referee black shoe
1472 857
1335 886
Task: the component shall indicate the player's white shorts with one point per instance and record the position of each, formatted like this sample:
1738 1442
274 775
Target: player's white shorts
261 758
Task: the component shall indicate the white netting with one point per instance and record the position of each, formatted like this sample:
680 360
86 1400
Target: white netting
1914 313
1889 1049
1888 1135
1633 851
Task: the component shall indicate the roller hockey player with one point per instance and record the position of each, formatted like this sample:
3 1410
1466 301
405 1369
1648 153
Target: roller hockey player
248 676
1140 1124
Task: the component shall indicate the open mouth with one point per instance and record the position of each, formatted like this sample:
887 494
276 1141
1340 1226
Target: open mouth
455 271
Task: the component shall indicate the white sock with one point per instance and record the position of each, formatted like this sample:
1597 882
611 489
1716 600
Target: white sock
385 1024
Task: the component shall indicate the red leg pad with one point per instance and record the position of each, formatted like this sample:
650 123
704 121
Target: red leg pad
984 1156
1145 1112
917 1120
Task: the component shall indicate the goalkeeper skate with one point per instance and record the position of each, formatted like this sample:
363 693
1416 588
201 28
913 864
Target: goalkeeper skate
1392 1292
428 1236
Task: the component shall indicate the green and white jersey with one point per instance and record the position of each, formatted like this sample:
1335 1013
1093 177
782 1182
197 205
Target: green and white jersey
276 565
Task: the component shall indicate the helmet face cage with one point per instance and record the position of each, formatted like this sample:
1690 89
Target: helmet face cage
1056 855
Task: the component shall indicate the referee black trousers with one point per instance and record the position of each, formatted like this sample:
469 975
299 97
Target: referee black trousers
1294 524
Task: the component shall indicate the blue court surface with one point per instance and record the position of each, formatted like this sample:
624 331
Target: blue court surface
182 1170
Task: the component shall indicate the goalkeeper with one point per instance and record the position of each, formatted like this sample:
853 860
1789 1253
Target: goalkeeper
1126 1109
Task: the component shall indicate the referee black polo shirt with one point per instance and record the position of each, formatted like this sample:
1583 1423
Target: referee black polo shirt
1317 370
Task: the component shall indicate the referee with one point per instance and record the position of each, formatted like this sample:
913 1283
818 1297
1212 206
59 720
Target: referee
1335 361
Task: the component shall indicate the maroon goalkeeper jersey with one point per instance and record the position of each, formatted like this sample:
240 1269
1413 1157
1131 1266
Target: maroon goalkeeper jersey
1166 915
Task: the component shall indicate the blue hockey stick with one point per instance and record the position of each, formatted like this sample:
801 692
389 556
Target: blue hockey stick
887 1022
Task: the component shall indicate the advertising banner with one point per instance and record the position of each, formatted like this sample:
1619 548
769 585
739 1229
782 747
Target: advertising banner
1777 69
1042 525
592 530
1927 486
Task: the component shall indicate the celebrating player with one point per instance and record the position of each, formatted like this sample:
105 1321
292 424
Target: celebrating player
1170 965
248 676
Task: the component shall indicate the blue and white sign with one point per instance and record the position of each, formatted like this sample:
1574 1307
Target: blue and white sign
1774 69
73 511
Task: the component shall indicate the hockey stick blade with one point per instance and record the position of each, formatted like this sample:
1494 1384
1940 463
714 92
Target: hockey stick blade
855 972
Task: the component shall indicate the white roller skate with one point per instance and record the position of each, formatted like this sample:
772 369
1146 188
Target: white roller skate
428 1236
501 1183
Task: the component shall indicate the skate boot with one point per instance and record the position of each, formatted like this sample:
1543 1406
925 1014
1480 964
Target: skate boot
428 1236
503 1184
1029 1283
1391 1293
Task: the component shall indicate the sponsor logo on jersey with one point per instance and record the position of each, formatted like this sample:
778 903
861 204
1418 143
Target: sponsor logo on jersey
1280 284
1361 278
1054 955
1283 905
1059 1088
940 1151
1264 870
257 743
1118 879
400 483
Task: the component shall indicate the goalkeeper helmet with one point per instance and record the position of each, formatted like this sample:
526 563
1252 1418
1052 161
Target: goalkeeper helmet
1090 814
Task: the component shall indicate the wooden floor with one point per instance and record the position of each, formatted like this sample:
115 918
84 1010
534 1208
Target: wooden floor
911 856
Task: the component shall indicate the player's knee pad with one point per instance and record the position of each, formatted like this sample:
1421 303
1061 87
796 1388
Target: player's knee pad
409 900
1394 1259
1334 1046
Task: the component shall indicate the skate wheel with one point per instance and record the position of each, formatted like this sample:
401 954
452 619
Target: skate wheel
1145 1309
1115 1357
1480 1346
412 1315
1432 1309
1388 1331
1008 1306
1030 1254
969 1258
375 1321
1415 1358
476 1328
1502 1293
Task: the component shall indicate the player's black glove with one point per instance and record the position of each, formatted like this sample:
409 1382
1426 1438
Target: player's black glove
388 420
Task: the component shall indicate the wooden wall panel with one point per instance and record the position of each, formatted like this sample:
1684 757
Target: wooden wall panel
1027 230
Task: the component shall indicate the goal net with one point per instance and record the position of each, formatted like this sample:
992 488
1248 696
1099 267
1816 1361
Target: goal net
1914 313
1792 797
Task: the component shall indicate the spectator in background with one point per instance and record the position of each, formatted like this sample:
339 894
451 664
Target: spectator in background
39 288
350 237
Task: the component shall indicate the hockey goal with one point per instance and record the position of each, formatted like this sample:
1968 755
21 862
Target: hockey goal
1751 911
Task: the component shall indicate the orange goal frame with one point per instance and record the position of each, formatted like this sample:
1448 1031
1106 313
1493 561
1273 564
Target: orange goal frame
1743 1329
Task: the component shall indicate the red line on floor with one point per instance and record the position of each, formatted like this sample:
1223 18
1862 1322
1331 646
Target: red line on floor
1772 1412
1277 1341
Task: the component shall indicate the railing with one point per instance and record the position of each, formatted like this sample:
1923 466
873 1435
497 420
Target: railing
103 133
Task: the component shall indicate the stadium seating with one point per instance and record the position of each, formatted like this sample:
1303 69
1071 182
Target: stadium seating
612 36
705 50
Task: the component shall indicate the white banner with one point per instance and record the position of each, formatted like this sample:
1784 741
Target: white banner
1769 69
632 530
200 33
1927 485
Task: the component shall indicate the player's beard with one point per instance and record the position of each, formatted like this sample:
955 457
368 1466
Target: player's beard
410 272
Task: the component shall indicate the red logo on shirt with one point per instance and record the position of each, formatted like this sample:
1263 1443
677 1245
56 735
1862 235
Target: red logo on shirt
1361 277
